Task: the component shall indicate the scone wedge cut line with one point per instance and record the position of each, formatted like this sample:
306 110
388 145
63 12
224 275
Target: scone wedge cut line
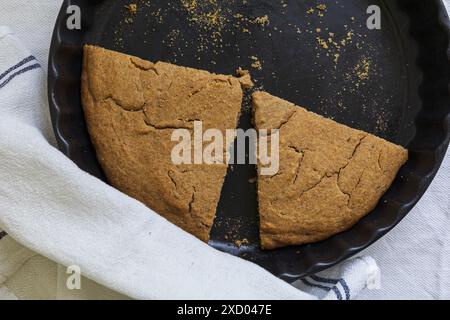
132 107
330 175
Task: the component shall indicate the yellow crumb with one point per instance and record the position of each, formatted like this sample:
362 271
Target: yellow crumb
240 243
132 7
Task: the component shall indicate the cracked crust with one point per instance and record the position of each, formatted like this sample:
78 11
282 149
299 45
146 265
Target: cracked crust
132 107
331 175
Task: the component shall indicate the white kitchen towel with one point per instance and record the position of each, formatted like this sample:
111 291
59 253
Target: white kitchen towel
53 208
344 282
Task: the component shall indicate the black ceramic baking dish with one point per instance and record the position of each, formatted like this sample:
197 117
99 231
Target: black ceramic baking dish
405 99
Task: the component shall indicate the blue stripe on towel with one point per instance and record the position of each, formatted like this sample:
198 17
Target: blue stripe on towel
26 69
325 288
334 282
21 63
346 289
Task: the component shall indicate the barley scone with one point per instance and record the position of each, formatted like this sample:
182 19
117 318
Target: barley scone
133 106
330 175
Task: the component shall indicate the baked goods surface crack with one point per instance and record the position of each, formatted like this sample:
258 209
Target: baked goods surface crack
132 107
331 175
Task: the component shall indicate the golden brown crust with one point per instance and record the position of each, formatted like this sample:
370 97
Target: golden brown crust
331 175
131 108
245 79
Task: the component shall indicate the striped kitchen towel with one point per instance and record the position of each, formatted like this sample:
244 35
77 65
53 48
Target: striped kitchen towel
343 282
21 82
23 85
